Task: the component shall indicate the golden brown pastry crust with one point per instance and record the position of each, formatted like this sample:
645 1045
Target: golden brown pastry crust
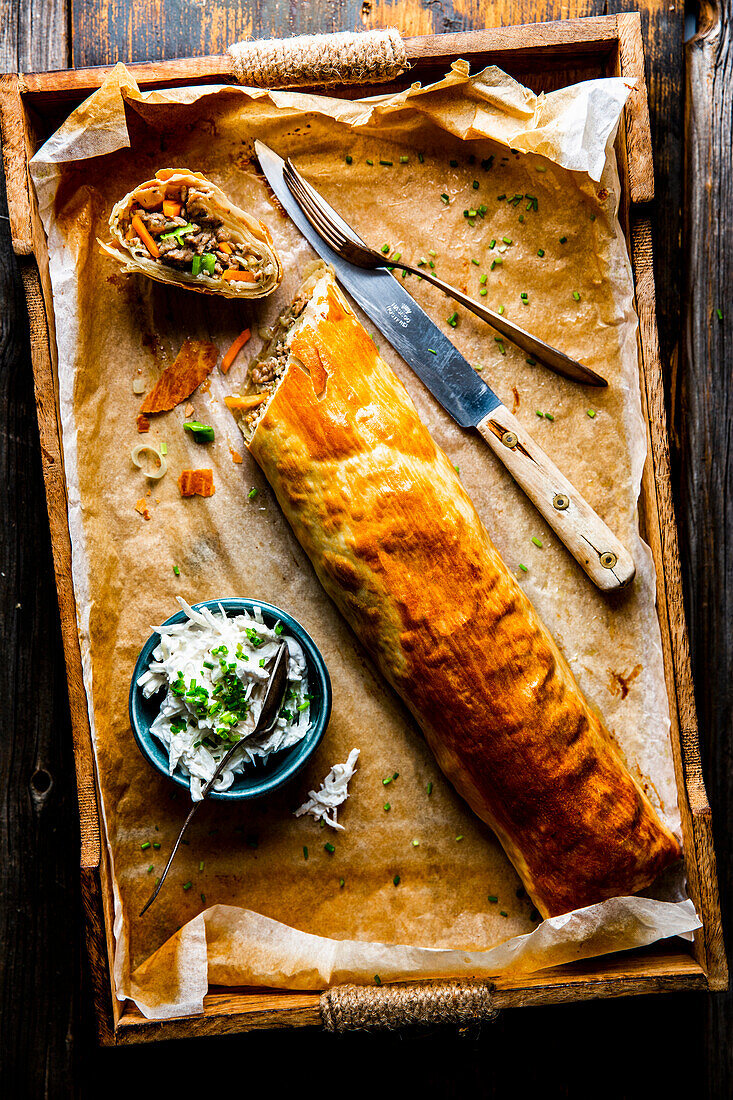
398 545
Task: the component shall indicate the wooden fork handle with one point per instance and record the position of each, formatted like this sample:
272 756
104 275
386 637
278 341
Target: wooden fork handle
593 545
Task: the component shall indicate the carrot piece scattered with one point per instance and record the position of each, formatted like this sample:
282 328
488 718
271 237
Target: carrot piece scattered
194 362
242 404
171 208
233 275
143 424
234 350
142 508
196 483
224 246
141 229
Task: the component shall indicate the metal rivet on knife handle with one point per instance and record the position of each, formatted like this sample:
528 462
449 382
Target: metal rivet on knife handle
509 439
608 560
561 502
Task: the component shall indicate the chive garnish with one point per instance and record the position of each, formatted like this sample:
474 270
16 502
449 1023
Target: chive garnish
475 185
421 158
252 493
493 898
478 367
164 448
397 256
536 541
432 252
500 310
349 159
591 413
502 913
329 848
387 807
532 362
521 217
386 163
523 567
305 851
176 570
500 342
144 847
483 292
576 296
452 320
524 296
500 198
203 898
387 781
156 845
477 262
507 240
445 198
540 252
150 869
370 162
459 837
187 885
342 883
432 351
719 314
592 217
430 787
385 248
549 416
563 240
453 163
404 160
396 880
492 242
201 865
377 979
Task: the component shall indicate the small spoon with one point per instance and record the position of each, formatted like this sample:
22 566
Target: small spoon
268 716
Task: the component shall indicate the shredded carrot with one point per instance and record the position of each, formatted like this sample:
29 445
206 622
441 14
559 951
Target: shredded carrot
196 483
171 209
225 247
234 350
194 362
139 226
242 404
232 275
143 424
142 508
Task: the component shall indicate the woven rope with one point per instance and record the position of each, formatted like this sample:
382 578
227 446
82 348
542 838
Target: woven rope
362 1008
343 58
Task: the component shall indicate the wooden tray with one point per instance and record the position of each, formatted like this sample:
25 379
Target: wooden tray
543 56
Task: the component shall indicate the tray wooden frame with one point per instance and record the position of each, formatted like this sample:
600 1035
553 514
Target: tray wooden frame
544 55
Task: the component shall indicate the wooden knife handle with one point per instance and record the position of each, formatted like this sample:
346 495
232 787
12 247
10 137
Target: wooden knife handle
608 564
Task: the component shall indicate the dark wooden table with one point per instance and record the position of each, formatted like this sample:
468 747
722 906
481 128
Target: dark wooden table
637 1047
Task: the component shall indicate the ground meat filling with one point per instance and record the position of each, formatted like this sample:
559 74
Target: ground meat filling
194 240
267 370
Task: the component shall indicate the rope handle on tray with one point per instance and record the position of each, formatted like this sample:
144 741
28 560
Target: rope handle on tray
344 58
367 1007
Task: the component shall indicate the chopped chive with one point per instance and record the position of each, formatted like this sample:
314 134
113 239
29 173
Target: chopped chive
540 414
472 213
252 493
563 240
445 198
496 263
459 837
144 847
349 159
540 252
329 848
396 880
404 160
370 162
430 787
719 314
591 413
187 885
493 898
521 217
201 865
483 292
500 198
502 913
500 342
176 570
387 781
452 320
524 296
387 807
432 265
477 262
483 279
523 567
416 843
453 163
507 240
279 628
549 416
396 775
432 351
385 248
532 362
592 217
397 256
386 163
500 310
421 158
150 869
576 296
475 185
377 979
305 851
203 898
432 252
342 883
536 541
164 448
478 367
156 845
541 167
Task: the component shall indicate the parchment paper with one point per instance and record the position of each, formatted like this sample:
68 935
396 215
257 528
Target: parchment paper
256 911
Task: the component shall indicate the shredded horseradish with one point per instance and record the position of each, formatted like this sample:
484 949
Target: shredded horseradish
216 668
333 792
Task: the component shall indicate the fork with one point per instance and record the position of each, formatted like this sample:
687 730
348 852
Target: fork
350 246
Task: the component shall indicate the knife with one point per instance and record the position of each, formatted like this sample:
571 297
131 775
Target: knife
455 384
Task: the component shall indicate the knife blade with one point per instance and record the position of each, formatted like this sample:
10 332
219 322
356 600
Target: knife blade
465 396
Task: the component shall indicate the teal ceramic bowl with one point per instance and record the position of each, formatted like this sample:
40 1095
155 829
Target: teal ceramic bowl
259 779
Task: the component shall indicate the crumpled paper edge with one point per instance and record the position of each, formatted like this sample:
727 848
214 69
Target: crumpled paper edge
506 112
274 955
